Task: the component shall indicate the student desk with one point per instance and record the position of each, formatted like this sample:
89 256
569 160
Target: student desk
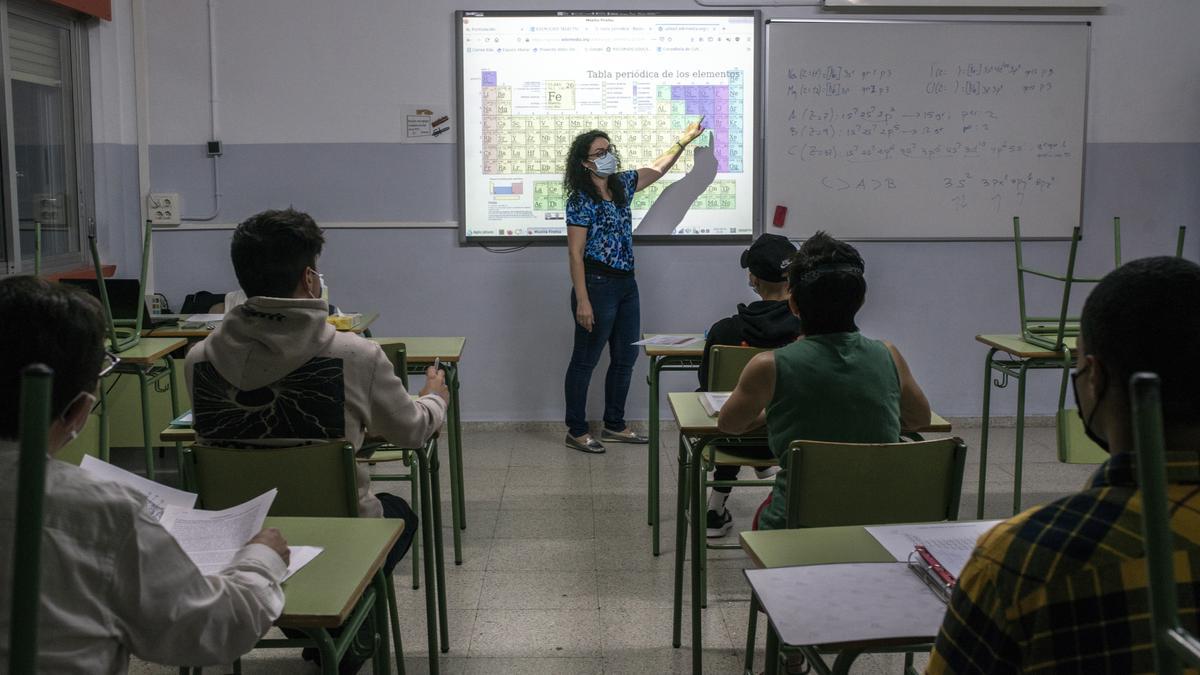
663 358
344 583
141 359
696 431
178 330
819 546
1018 358
420 353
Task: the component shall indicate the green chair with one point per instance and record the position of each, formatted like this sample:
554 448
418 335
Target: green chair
34 419
1174 645
832 484
312 480
382 452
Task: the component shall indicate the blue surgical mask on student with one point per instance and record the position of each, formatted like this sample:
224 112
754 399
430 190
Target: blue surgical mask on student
606 165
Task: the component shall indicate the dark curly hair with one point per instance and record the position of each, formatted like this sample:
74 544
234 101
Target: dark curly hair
577 179
825 279
271 250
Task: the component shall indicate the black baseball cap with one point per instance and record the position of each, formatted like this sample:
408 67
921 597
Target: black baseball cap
768 257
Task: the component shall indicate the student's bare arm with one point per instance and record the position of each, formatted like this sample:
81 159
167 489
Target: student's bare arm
914 407
746 407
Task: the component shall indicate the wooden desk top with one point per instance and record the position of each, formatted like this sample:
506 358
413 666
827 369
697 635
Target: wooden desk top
1015 345
149 351
426 349
693 420
813 546
201 333
696 349
323 593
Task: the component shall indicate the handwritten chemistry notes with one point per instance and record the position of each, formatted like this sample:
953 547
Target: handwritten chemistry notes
926 129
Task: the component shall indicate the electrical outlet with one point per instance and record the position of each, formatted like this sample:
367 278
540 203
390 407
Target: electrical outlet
163 207
48 208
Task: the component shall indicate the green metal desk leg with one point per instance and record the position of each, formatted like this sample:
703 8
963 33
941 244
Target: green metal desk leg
652 511
430 578
325 647
983 432
436 519
751 629
698 538
394 622
147 445
171 381
416 507
1020 440
380 620
680 543
103 450
772 658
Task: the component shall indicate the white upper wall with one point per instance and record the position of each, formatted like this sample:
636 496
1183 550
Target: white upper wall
310 71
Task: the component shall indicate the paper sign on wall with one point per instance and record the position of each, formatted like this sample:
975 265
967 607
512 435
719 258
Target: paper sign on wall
426 123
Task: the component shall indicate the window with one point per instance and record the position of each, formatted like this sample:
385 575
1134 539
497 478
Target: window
47 167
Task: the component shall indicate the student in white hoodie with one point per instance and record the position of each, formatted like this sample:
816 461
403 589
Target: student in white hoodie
275 373
114 582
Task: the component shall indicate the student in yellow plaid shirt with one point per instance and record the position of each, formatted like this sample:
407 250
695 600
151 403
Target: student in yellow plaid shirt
1061 588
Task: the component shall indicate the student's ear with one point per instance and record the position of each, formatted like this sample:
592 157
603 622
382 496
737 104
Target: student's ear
1095 377
792 306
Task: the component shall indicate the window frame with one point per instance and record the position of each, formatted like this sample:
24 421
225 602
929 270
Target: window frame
82 182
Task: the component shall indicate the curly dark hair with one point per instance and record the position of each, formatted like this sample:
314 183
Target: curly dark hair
577 179
825 279
271 250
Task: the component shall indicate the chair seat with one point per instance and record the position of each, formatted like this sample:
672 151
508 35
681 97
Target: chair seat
721 456
380 456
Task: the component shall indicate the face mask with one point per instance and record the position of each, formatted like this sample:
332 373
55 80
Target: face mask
323 290
606 165
1087 421
72 434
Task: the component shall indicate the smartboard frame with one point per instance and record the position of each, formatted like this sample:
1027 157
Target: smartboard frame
755 100
766 68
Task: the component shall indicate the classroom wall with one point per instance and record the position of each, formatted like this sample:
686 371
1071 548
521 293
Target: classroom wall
309 97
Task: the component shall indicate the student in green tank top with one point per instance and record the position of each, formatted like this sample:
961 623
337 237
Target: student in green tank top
833 384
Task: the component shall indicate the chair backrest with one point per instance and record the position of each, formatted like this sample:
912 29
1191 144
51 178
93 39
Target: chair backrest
725 365
34 416
1172 643
397 353
830 484
313 480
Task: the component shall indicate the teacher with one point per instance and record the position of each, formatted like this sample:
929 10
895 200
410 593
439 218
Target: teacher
604 293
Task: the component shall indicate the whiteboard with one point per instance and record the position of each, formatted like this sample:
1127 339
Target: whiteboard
924 129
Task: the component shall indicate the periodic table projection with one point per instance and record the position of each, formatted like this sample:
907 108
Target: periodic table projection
530 82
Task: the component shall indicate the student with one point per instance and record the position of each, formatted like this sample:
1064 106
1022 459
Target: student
834 384
1062 587
275 373
113 581
767 323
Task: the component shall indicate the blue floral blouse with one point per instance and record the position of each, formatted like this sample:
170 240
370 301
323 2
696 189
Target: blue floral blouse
610 227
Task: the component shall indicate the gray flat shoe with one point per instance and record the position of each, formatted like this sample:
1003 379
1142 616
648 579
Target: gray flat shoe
623 437
592 446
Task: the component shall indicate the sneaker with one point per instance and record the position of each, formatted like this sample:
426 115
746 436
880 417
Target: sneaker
765 472
588 445
626 436
719 523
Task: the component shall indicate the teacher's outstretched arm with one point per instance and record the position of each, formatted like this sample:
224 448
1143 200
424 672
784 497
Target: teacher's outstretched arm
576 239
647 175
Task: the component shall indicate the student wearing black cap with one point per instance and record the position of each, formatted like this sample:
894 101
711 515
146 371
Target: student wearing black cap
767 323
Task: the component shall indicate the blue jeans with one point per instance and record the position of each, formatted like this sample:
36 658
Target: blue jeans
618 324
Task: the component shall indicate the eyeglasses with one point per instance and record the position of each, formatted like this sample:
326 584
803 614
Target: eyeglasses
109 363
600 153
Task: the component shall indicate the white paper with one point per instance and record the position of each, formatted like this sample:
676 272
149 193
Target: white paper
951 543
212 538
427 123
713 401
670 340
300 556
830 604
158 496
204 318
184 420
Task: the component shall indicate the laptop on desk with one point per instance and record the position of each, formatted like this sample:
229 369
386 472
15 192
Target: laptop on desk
124 295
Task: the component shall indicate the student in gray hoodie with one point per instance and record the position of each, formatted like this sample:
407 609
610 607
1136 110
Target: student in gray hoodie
275 373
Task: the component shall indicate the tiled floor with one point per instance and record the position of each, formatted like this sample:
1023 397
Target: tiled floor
558 577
